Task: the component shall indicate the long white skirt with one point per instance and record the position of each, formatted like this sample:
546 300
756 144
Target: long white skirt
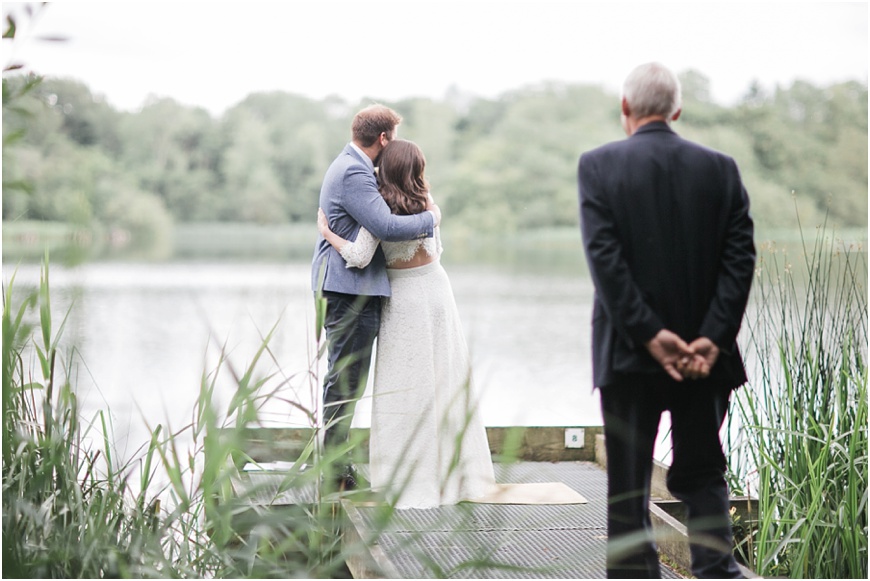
428 443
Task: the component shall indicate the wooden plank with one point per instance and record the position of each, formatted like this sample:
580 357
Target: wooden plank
364 559
532 443
541 443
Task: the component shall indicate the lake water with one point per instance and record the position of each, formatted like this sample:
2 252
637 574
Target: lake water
140 336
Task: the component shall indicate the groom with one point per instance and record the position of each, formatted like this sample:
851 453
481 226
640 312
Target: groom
350 198
668 240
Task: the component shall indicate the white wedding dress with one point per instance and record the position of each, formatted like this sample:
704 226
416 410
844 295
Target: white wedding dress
428 444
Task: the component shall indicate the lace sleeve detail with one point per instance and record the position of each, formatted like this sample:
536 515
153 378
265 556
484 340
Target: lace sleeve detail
359 253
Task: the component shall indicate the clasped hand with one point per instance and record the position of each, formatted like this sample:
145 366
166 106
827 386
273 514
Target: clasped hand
683 360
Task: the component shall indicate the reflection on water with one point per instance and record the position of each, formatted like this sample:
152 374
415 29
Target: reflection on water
144 334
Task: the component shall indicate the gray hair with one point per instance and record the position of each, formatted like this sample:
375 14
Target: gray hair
652 89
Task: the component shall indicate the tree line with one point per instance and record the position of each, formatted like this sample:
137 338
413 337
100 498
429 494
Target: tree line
502 164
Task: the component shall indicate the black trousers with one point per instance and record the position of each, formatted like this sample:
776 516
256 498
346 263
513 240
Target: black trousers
632 408
351 325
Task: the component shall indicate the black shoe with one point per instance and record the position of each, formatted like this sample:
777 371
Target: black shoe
350 479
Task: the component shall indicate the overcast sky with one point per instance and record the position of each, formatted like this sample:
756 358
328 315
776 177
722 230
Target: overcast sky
213 54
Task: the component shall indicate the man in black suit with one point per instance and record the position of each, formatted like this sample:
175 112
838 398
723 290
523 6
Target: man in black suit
669 243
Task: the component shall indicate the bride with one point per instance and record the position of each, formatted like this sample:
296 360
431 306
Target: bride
428 444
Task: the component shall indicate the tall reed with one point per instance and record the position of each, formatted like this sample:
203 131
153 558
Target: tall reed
67 511
803 448
72 509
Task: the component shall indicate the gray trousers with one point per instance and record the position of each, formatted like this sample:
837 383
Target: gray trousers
351 325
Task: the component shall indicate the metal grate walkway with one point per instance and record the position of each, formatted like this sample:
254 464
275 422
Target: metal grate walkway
489 541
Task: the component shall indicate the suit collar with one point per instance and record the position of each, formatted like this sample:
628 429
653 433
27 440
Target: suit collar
352 149
654 126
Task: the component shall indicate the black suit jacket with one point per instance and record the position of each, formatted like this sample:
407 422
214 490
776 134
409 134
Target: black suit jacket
669 243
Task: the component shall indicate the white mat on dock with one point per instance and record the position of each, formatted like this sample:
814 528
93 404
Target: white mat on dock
531 493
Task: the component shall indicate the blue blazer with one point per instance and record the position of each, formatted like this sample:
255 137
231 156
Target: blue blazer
350 198
669 243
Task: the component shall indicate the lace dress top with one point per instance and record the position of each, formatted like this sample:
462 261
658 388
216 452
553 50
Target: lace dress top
358 254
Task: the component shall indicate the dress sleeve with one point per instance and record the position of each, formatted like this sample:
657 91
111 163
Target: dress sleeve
359 253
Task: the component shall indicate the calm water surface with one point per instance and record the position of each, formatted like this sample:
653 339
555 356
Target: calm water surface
140 338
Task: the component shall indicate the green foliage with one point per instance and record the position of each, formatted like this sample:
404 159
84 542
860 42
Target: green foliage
522 173
65 511
72 509
813 141
494 165
15 107
171 151
68 160
804 442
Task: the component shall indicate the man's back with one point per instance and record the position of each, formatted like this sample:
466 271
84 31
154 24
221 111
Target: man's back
668 240
674 214
346 169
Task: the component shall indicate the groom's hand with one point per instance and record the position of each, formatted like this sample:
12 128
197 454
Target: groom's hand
699 365
669 349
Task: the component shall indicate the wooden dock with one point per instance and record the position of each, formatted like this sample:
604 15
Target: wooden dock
491 541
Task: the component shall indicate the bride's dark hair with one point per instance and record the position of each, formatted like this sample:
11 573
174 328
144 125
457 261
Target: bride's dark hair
401 175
